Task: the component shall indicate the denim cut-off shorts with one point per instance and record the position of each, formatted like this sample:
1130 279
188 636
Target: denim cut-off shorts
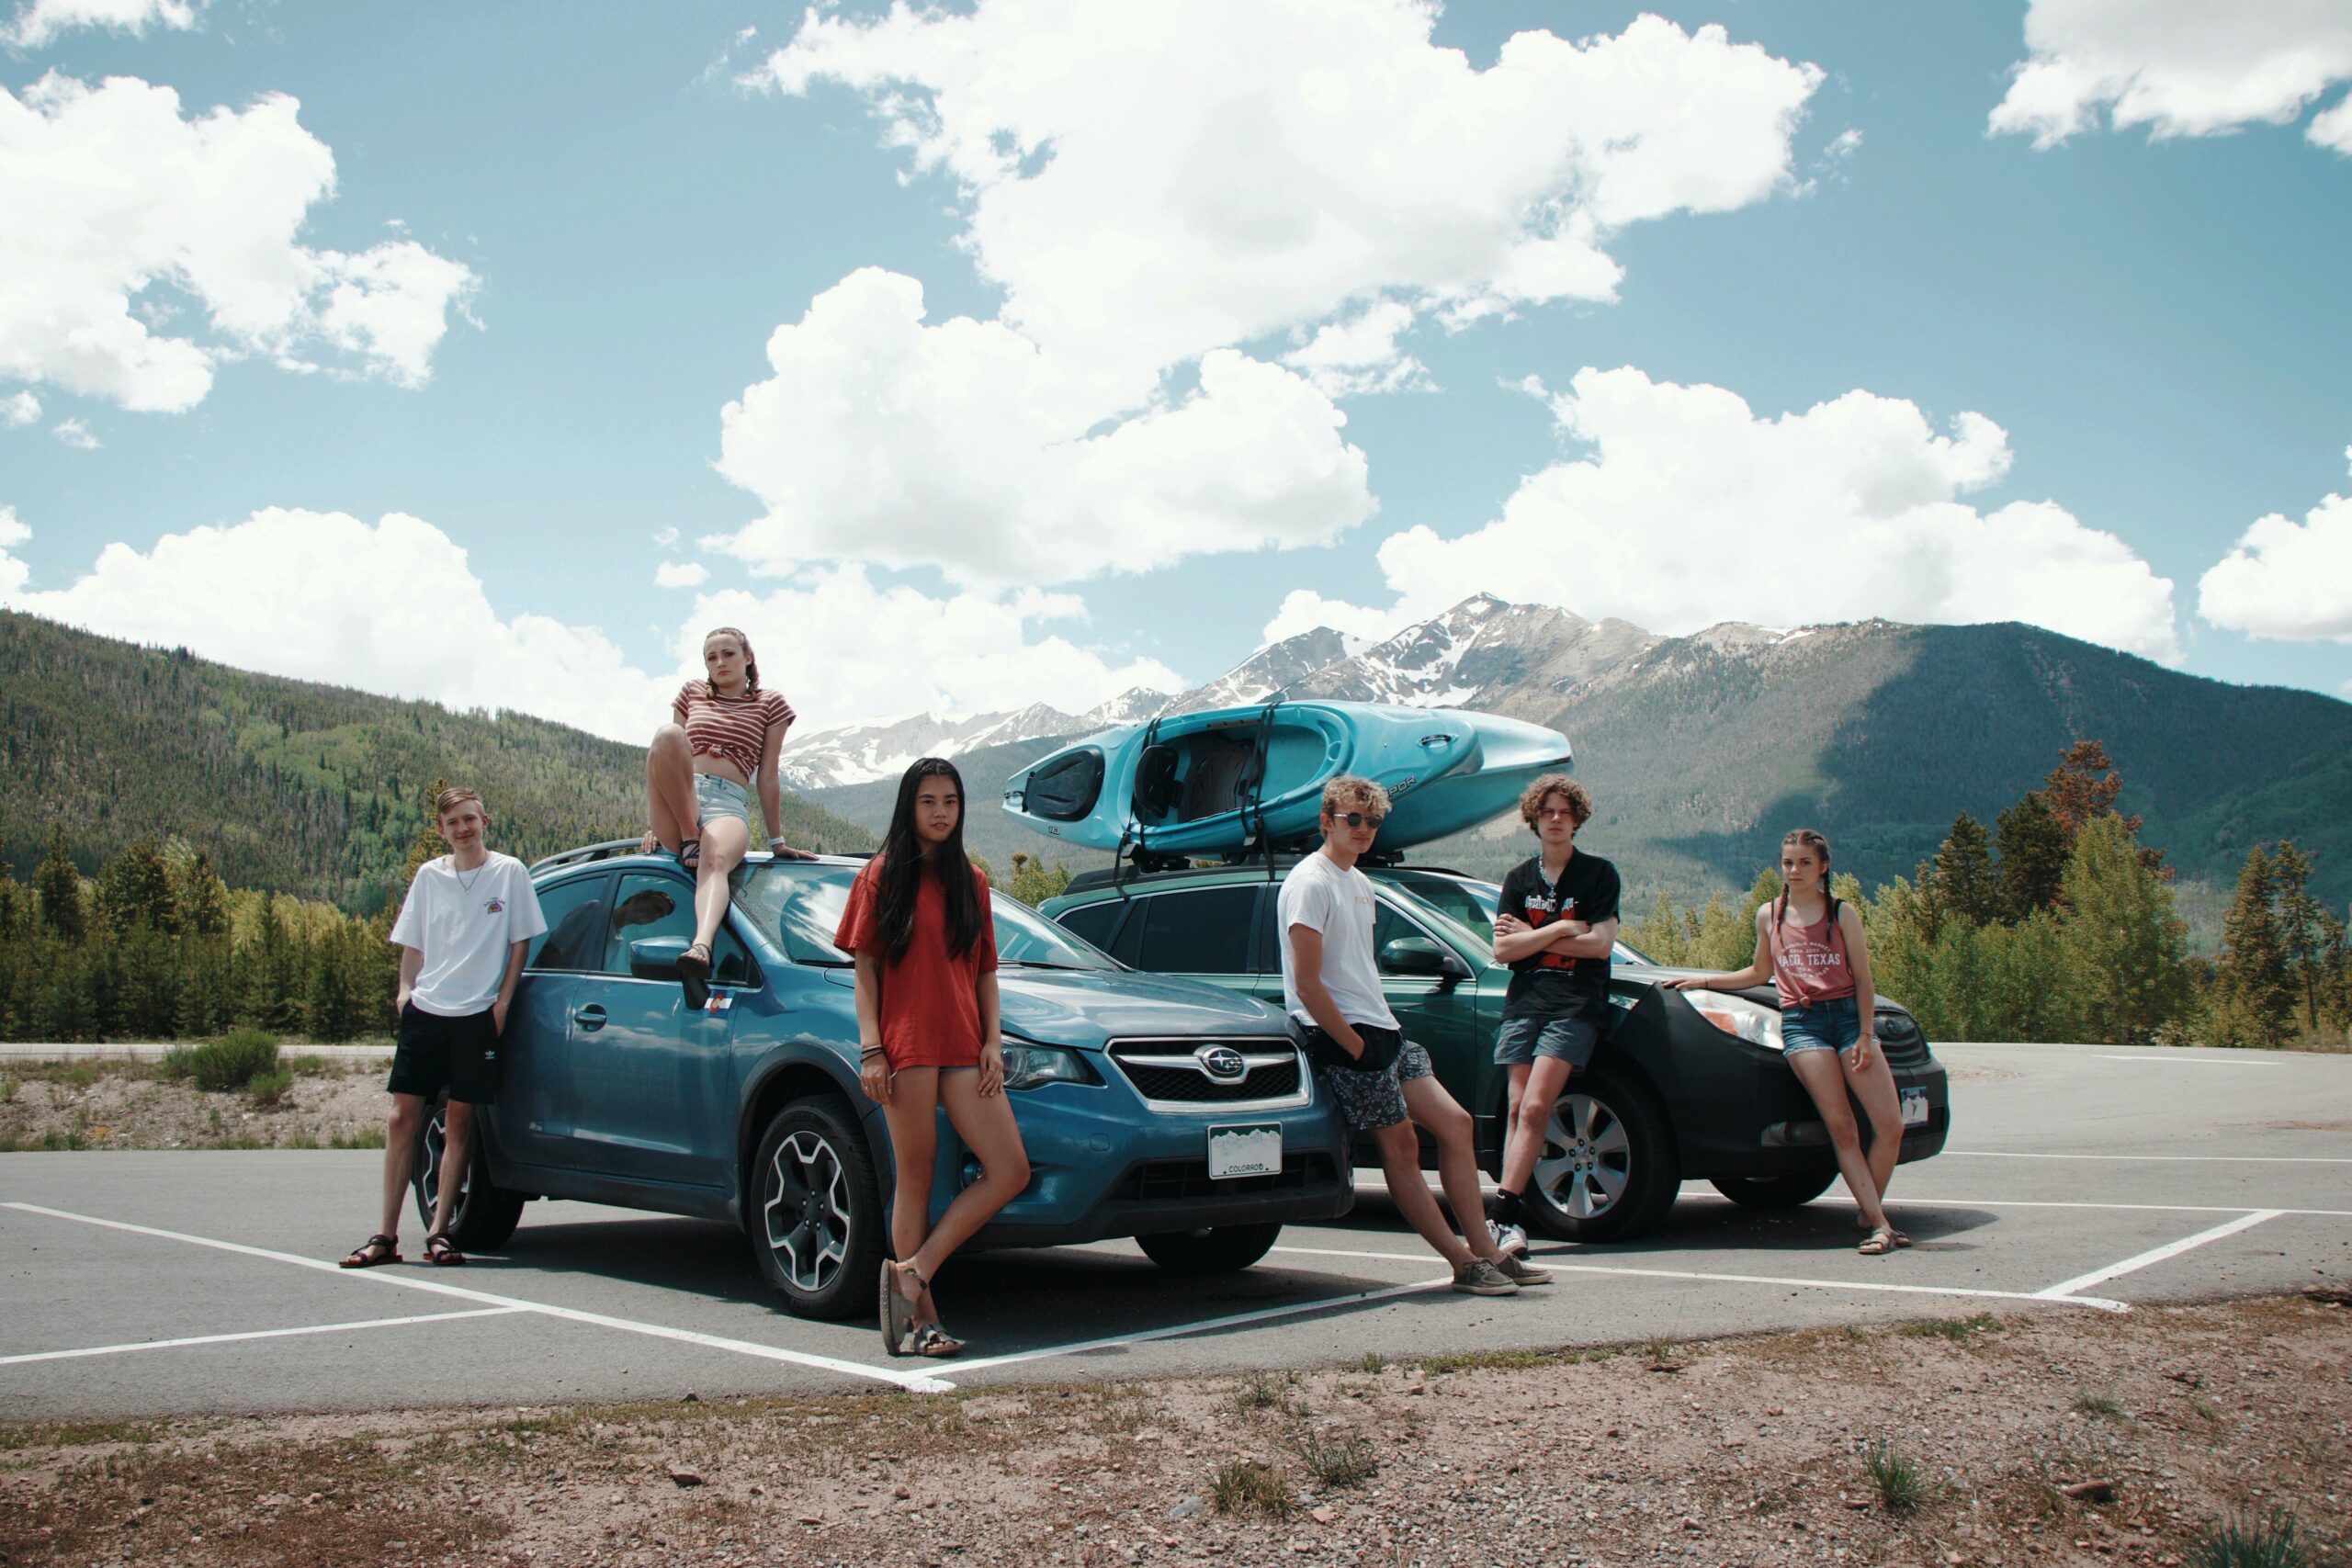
716 794
1824 1026
1522 1039
1368 1101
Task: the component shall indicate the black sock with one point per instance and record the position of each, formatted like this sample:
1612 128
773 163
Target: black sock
1503 1207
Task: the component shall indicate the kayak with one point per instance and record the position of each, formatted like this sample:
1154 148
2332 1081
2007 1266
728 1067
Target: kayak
1228 779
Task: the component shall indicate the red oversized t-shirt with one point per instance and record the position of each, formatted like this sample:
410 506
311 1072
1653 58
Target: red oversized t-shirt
931 1005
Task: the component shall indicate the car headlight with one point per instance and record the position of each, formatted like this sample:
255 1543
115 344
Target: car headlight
1028 1067
1752 1021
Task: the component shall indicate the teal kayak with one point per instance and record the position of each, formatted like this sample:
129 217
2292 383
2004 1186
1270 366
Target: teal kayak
1214 783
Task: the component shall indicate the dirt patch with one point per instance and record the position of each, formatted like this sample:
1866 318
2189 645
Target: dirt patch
114 1104
1775 1449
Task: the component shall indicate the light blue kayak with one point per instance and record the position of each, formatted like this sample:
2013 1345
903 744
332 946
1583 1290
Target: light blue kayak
1207 783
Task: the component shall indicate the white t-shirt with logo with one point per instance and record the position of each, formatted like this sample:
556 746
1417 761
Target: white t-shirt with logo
1340 904
463 922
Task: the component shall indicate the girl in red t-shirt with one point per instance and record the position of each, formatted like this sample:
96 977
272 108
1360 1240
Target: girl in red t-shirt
1813 948
700 773
919 924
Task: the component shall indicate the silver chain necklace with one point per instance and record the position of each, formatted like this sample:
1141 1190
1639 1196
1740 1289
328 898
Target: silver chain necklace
464 886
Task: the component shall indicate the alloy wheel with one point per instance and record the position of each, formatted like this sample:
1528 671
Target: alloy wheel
807 1211
1587 1160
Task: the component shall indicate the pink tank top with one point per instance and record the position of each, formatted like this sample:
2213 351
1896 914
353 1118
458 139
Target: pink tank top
1809 962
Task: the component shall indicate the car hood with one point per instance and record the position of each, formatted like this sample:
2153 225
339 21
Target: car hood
1089 1007
1653 973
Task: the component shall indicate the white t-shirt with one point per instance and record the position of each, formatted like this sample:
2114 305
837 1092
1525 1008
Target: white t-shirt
1319 895
463 922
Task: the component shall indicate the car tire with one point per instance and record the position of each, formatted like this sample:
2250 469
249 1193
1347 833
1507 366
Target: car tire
1221 1249
1773 1191
816 1218
1615 1172
484 1216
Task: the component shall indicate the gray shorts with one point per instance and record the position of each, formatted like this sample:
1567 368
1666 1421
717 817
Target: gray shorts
716 794
1522 1039
1370 1101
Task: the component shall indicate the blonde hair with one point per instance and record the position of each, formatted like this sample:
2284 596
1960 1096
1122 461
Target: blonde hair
449 799
1530 799
1349 792
750 660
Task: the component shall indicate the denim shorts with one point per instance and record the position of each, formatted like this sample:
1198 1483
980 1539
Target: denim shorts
1824 1026
1368 1101
716 794
1522 1039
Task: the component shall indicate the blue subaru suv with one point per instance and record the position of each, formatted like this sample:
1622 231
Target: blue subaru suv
1176 1112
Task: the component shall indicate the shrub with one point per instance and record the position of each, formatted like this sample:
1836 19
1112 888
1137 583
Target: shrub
2275 1540
233 1061
1247 1486
270 1087
1342 1459
1901 1485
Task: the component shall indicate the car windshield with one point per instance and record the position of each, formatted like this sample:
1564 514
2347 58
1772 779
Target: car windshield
1470 903
798 905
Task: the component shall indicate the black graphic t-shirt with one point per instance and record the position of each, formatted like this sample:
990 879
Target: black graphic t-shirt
1548 984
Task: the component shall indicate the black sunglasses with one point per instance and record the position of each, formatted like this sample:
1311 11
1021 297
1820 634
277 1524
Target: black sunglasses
1360 819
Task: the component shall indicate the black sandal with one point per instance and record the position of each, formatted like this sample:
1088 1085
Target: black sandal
374 1250
690 854
439 1249
694 975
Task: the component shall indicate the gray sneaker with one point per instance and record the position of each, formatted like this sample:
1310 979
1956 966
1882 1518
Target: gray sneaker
1520 1272
1481 1278
1510 1240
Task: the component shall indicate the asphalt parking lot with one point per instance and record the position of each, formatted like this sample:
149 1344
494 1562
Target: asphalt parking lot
2079 1178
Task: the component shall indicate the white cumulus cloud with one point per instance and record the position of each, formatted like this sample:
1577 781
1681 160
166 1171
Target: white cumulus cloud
1690 508
1302 609
19 409
2287 579
965 446
115 208
36 23
1360 354
2179 67
1148 183
680 574
75 433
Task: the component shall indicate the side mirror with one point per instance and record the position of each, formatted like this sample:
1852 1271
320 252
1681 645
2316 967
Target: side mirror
656 957
1423 955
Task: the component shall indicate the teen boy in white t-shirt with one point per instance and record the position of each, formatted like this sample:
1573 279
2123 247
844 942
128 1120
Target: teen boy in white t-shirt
1381 1080
463 929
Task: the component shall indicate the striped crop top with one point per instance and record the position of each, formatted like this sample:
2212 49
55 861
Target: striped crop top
734 728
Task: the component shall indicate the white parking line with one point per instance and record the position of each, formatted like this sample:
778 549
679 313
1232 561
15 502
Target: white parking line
1553 1262
253 1334
1910 1202
2163 1159
2189 1061
2065 1290
922 1382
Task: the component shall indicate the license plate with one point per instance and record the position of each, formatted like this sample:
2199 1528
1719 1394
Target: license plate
1246 1148
1914 1108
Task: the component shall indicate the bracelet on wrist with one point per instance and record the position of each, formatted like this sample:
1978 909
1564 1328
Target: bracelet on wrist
865 1051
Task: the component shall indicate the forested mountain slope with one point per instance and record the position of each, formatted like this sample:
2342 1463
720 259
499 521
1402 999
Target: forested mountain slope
288 786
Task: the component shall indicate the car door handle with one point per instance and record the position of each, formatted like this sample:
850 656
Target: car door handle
590 1016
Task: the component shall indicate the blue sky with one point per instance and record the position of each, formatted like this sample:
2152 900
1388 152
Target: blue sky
1678 327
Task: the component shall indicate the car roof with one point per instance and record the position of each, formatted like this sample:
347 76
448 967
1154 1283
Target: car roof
617 850
1092 881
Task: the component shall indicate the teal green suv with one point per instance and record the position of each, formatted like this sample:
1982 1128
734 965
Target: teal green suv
1685 1085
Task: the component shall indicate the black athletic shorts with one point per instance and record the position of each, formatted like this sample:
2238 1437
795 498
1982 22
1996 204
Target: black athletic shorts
460 1054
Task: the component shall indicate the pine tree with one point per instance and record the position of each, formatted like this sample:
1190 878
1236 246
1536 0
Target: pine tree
59 887
2299 934
2033 844
1962 879
2253 995
2126 951
135 890
202 896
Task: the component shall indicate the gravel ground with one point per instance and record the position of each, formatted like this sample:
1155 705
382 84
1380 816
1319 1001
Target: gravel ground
1756 1451
117 1104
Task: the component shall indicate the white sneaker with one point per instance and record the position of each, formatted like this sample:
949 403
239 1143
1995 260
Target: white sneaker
1510 1240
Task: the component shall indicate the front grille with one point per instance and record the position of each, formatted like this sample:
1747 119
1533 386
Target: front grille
1168 1073
1899 1038
1165 1181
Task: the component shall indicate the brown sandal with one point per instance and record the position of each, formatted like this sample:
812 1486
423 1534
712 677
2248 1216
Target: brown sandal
1881 1242
897 1314
374 1250
439 1249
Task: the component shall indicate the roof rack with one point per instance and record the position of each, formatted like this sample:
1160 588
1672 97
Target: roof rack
611 849
1283 860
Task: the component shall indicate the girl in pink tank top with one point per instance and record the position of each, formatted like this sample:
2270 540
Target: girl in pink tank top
1814 949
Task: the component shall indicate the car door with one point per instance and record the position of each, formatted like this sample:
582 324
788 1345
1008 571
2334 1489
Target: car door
1200 933
533 1115
1438 1013
653 1080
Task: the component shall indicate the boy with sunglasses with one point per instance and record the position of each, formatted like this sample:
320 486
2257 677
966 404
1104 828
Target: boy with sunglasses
1381 1080
1555 925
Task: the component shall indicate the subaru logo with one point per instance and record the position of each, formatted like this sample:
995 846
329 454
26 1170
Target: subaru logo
1222 1063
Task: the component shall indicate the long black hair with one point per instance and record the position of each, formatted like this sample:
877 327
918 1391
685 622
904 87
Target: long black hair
902 868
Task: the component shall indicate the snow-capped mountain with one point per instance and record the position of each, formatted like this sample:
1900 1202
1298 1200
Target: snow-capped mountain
1129 707
858 753
1276 667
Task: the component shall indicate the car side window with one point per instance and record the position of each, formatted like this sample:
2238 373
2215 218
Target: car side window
1093 922
655 904
1203 930
576 935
